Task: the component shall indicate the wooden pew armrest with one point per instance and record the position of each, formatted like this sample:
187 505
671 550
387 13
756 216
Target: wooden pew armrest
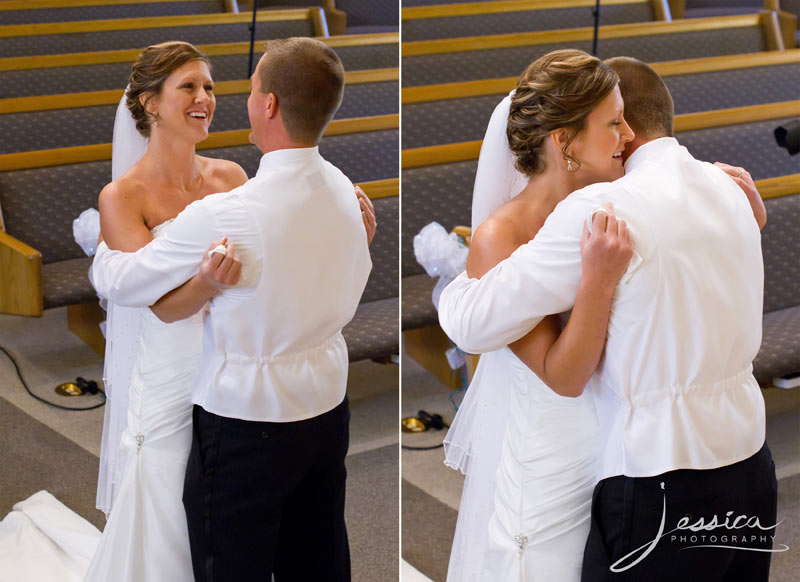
464 232
20 277
337 19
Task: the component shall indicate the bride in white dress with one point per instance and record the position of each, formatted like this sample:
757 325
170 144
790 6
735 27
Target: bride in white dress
150 363
525 435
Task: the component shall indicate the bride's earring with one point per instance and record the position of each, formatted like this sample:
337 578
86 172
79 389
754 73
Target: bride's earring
572 165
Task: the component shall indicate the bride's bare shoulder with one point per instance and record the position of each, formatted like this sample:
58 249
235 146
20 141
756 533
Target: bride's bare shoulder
495 239
227 174
124 192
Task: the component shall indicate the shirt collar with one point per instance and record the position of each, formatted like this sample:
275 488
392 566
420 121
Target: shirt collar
282 157
650 150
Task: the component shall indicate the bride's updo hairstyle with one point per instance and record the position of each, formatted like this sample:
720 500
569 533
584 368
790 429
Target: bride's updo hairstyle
558 90
151 69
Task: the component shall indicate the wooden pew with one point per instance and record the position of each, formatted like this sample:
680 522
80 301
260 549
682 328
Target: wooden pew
456 112
348 16
510 16
69 37
39 11
52 121
106 70
689 122
472 58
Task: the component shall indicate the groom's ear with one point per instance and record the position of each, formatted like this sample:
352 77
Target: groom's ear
271 105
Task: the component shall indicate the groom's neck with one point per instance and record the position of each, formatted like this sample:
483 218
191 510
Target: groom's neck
286 144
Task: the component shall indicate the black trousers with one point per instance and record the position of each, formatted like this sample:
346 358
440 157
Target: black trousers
627 533
266 498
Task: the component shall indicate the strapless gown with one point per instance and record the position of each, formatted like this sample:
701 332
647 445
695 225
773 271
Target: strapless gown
146 536
538 507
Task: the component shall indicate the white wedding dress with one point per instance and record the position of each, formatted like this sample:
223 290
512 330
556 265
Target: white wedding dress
528 521
146 536
528 454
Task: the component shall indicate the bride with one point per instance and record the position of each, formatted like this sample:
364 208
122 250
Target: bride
149 363
526 433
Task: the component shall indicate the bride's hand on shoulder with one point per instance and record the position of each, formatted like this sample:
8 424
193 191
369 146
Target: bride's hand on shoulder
606 250
367 213
220 270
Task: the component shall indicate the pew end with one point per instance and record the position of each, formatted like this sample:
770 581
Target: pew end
20 278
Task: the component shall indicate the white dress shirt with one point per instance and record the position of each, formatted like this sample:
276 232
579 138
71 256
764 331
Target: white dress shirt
273 348
674 389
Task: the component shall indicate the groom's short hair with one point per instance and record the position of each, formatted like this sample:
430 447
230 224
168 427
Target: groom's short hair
649 109
307 78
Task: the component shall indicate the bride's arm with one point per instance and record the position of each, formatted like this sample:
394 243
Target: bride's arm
565 360
216 273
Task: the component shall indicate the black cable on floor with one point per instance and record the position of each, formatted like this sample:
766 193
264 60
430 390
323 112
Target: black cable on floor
439 446
39 398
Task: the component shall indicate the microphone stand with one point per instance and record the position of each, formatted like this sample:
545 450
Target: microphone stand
596 14
252 39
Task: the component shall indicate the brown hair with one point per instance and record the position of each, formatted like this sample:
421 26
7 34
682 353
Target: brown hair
151 69
648 104
558 90
307 78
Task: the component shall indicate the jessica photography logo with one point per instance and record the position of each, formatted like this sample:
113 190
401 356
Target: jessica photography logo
716 532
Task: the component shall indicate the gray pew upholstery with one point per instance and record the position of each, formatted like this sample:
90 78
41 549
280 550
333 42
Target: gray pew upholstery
710 8
46 44
36 130
522 21
373 331
74 79
370 15
361 156
508 62
781 249
407 3
38 207
441 193
750 145
132 10
465 119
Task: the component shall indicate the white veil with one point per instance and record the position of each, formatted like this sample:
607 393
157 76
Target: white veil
474 442
122 332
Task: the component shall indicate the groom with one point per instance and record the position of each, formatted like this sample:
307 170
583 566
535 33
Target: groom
682 422
265 482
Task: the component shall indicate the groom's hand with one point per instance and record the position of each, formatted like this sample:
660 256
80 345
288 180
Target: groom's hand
220 271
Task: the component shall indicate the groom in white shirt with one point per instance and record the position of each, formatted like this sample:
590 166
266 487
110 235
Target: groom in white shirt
265 483
682 421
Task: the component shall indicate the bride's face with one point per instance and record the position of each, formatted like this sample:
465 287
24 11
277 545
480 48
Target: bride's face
600 145
186 102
